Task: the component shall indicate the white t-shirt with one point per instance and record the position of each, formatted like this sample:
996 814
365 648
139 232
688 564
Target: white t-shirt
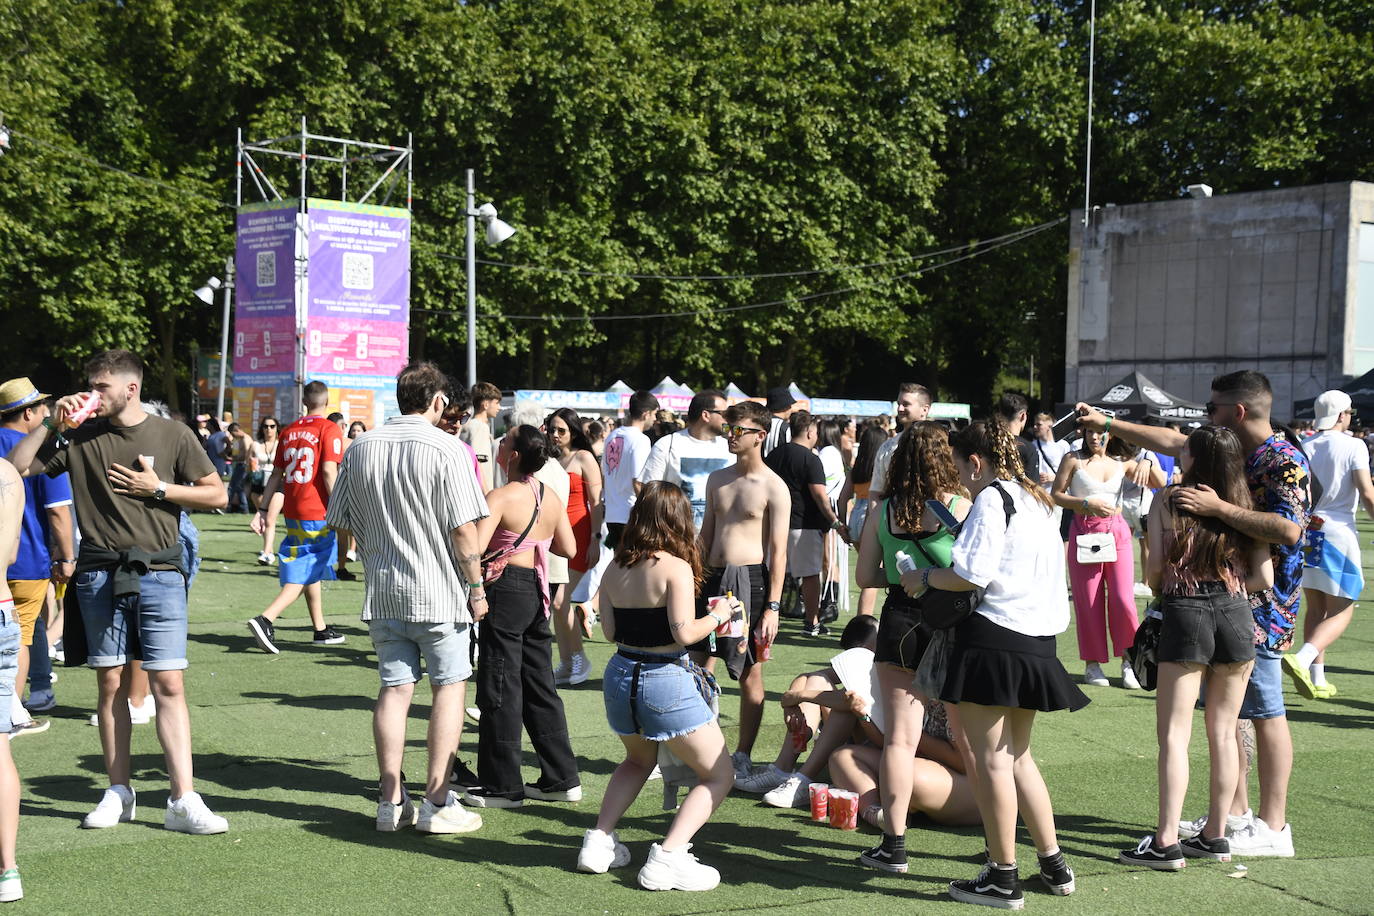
832 462
1335 457
622 461
1051 454
1020 564
687 461
881 461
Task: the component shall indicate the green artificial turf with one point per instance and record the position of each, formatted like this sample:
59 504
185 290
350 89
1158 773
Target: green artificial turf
283 748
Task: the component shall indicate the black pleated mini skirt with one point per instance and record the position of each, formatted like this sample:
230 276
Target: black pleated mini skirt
993 666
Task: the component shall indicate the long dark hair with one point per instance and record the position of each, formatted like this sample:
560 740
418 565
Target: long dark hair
828 433
922 468
1207 547
661 520
997 447
577 436
531 446
870 438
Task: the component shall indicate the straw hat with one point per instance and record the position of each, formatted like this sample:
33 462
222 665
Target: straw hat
19 392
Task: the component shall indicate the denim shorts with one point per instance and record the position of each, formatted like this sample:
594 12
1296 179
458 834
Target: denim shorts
400 644
1264 693
1213 628
9 665
667 703
149 626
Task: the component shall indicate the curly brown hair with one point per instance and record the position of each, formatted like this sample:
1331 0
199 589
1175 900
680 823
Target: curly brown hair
922 468
661 520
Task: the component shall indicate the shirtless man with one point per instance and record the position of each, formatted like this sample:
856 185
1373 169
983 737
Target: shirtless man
744 535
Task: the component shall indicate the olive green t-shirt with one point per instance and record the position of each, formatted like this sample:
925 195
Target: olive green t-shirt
122 522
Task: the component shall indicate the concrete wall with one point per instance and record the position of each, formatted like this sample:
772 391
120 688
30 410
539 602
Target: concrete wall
1183 290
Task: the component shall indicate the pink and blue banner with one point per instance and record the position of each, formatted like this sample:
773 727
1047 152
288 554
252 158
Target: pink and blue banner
265 293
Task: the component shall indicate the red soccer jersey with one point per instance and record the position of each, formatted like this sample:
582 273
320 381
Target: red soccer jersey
303 447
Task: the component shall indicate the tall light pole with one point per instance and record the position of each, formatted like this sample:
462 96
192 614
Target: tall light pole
497 232
206 294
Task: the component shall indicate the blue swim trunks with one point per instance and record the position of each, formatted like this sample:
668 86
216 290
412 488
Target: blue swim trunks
307 554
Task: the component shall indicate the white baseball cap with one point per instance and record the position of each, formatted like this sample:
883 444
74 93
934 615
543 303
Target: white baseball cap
1329 406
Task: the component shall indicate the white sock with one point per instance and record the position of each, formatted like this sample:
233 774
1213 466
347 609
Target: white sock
1307 654
1318 672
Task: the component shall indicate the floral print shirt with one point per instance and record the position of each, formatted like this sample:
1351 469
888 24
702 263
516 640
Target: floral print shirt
1280 482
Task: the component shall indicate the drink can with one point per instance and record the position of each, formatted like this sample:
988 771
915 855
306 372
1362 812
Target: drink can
820 801
798 738
763 651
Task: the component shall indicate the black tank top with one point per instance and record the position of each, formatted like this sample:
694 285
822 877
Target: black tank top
642 627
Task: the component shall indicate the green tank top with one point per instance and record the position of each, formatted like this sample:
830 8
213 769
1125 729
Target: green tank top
930 549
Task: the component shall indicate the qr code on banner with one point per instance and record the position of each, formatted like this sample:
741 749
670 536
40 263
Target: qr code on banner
267 268
357 270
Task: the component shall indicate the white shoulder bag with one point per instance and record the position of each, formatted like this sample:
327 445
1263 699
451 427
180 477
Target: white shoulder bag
1099 546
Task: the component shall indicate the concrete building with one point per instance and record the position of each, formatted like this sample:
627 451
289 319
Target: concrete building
1280 281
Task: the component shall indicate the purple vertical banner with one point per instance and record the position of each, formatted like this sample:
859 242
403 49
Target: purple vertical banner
358 309
265 293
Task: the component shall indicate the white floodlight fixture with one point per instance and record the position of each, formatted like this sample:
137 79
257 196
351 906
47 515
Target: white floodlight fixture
1199 191
206 293
497 230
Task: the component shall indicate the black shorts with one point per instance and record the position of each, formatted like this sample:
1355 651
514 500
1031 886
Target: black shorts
613 532
901 639
1211 627
737 660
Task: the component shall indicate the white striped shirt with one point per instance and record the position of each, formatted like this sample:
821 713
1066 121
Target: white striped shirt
402 489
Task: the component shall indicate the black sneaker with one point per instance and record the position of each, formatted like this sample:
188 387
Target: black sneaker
885 859
1199 847
328 637
345 575
1056 874
264 633
462 777
996 887
829 612
1161 858
819 629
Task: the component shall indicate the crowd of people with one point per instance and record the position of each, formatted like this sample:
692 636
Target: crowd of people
685 542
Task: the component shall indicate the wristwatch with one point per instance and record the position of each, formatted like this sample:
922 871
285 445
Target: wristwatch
160 493
773 606
835 525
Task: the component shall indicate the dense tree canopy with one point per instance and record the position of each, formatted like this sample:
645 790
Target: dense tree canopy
684 138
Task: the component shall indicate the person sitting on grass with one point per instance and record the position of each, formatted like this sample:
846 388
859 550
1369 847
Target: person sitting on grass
808 718
653 693
940 788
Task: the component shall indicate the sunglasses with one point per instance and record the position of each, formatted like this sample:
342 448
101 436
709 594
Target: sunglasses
1211 407
741 430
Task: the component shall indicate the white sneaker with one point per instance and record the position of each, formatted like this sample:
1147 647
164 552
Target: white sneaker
392 816
189 814
762 780
678 870
1093 676
116 806
556 795
656 772
473 713
793 793
11 888
144 712
601 852
1142 590
1128 678
352 556
451 818
265 559
1234 824
581 669
742 764
1259 839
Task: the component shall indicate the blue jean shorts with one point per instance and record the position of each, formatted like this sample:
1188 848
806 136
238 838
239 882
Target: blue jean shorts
400 644
9 664
149 626
1264 693
667 703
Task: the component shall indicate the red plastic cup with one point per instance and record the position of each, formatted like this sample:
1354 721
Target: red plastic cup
763 651
820 801
82 413
798 738
844 809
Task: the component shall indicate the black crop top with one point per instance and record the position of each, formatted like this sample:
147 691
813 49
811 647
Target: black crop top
644 627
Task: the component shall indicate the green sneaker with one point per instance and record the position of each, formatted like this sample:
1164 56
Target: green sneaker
1302 680
1324 691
